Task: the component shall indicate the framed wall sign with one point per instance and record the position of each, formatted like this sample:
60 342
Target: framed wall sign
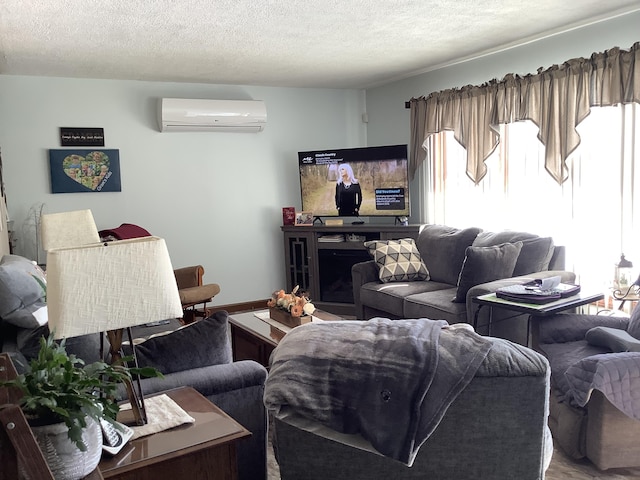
81 137
84 170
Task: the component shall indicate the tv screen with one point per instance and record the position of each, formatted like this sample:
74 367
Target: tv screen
367 181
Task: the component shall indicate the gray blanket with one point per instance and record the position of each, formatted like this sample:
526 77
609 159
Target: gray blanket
616 375
390 381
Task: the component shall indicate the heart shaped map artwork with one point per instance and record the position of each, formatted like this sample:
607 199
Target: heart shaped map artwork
90 171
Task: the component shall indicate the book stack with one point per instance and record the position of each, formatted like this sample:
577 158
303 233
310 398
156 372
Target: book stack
338 237
538 291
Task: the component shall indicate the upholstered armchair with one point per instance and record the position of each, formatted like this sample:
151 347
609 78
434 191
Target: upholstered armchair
493 427
193 292
595 386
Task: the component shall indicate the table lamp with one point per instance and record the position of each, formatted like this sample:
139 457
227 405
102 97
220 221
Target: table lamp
110 286
67 229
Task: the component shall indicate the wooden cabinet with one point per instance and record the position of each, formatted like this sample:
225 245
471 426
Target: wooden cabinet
320 264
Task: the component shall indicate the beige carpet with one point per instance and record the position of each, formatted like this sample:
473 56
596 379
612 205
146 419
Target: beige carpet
561 468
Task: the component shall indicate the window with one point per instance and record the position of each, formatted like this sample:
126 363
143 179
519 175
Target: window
595 213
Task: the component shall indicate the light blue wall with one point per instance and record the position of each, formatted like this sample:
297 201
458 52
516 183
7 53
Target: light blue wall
215 197
389 120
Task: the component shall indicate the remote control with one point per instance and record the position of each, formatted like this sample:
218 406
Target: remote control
114 438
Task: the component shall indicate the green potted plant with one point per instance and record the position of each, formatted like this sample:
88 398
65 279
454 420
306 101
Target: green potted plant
60 389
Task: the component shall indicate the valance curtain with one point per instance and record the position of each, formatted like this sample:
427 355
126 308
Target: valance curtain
556 100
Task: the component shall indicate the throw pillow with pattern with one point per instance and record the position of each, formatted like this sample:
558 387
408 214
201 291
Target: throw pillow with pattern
397 260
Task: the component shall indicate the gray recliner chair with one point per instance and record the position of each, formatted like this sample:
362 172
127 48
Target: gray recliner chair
496 428
595 386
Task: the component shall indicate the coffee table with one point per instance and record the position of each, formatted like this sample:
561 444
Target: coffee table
205 449
534 310
254 336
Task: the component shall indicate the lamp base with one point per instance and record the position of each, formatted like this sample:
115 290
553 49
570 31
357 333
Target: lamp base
136 398
127 418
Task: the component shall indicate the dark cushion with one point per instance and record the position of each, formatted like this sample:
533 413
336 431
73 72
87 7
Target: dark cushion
22 295
443 249
491 239
397 260
614 339
534 256
536 251
196 345
633 328
28 340
486 264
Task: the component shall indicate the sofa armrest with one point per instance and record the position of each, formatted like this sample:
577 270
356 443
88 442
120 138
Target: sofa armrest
571 327
491 287
361 273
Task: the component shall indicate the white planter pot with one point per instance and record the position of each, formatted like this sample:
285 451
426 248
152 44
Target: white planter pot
65 459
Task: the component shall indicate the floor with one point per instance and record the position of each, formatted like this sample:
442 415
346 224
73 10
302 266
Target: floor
564 468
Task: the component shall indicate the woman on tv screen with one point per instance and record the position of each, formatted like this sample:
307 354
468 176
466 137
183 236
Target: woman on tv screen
348 192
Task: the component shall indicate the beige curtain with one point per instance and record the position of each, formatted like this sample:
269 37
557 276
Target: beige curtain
556 100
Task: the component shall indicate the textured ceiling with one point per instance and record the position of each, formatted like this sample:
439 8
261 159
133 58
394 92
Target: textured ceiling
304 43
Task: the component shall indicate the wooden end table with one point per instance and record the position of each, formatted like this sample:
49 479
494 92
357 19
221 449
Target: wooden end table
254 338
205 449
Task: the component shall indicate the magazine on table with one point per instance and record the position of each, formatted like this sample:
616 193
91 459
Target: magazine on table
543 290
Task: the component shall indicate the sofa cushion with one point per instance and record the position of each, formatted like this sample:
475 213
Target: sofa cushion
389 297
443 250
188 347
633 328
435 305
22 292
562 355
397 260
485 264
534 256
536 251
490 239
615 339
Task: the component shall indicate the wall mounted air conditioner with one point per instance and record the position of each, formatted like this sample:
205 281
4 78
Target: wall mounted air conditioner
192 115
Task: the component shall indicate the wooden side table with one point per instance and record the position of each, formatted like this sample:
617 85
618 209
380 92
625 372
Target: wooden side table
253 338
204 450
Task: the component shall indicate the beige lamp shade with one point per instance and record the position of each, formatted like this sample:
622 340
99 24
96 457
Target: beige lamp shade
108 286
68 229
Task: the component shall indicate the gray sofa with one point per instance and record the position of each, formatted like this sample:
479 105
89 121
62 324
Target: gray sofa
198 355
495 429
595 386
462 264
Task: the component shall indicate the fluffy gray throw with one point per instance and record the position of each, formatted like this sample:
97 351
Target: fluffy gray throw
390 381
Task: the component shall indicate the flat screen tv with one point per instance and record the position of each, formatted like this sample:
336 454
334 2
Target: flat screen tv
352 182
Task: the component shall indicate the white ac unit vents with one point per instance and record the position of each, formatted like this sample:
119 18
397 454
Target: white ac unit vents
195 115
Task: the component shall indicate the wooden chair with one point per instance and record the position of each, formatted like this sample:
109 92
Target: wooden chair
193 292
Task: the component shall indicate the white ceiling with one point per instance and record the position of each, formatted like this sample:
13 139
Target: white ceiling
303 43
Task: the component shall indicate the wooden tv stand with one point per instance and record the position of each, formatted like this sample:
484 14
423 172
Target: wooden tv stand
323 268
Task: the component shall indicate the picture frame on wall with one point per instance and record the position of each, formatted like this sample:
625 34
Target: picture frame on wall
81 137
84 170
304 218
